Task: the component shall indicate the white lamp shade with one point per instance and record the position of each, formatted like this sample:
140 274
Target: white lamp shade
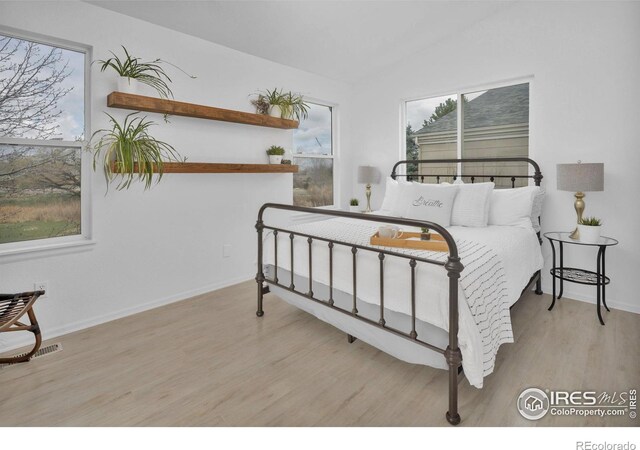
581 177
368 175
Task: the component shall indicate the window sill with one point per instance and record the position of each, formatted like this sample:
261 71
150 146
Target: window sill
37 247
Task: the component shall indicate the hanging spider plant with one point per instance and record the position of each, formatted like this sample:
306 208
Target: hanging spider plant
150 73
129 151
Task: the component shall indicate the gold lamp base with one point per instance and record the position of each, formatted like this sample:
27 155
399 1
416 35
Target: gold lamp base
579 206
368 194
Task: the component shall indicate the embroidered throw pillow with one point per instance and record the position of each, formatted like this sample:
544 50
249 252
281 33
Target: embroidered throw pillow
430 202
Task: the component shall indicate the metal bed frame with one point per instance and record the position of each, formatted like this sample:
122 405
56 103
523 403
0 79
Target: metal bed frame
453 266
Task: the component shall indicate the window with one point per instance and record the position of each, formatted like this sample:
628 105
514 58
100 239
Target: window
494 123
42 131
313 151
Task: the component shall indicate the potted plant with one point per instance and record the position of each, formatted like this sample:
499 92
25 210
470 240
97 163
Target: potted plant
275 153
275 98
294 106
133 72
425 235
129 151
589 229
354 205
286 105
262 105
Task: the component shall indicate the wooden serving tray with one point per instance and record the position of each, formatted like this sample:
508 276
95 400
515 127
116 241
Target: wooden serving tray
412 240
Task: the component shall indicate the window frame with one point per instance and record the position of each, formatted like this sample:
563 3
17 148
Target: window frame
459 93
86 226
335 152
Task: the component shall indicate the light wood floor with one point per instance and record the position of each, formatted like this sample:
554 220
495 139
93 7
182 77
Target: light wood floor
210 361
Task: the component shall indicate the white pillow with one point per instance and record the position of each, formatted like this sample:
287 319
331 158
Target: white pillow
512 206
393 203
430 202
536 209
391 192
471 205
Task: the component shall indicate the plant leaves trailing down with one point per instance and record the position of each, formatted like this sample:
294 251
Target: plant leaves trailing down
296 106
131 152
150 73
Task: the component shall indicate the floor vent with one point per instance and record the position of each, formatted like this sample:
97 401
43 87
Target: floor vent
44 351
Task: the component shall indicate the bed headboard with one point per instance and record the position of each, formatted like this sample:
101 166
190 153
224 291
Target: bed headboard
424 174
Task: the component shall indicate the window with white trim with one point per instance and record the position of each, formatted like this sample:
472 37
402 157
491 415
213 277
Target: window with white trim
313 152
489 123
42 132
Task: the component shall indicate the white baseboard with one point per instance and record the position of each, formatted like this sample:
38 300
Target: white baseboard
611 303
18 340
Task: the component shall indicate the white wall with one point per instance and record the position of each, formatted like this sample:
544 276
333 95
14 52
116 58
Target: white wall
585 105
165 244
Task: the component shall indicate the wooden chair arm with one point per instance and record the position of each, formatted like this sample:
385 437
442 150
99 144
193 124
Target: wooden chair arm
14 306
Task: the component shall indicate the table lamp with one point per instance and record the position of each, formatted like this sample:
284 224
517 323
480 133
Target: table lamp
368 175
580 178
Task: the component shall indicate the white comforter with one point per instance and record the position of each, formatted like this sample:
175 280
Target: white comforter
498 261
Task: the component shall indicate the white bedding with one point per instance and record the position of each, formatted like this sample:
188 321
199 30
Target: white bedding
498 260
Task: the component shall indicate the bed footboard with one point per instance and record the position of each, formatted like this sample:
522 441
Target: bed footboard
452 265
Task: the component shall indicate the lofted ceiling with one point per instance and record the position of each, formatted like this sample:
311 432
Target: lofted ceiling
343 40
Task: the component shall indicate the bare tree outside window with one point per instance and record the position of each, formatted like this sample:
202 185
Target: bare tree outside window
313 153
41 104
31 88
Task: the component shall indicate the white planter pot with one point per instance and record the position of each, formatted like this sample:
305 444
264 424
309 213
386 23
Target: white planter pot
354 208
275 111
275 159
128 85
589 234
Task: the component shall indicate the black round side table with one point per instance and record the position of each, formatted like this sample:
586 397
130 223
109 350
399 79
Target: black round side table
576 275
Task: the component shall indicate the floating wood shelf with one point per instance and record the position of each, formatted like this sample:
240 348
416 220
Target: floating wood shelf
172 107
197 167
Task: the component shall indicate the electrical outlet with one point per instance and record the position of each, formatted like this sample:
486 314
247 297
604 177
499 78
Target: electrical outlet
226 250
42 286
